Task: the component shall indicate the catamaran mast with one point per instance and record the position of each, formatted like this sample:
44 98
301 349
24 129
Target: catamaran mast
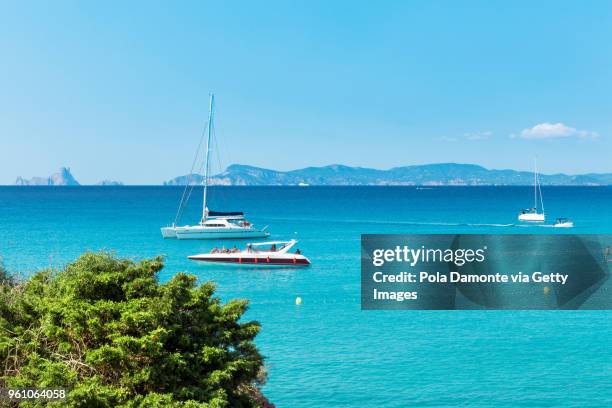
206 164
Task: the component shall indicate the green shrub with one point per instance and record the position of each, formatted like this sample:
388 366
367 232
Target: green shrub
105 329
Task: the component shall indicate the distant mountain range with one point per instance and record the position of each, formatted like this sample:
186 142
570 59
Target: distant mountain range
442 174
62 178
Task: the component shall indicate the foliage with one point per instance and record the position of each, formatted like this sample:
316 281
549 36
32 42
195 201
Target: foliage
5 277
106 330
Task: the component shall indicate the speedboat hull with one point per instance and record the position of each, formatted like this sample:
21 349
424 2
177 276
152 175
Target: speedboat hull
532 217
238 259
279 253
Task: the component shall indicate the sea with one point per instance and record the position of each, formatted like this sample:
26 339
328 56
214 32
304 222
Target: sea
327 352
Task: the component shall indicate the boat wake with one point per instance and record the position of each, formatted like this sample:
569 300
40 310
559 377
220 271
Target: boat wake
535 225
414 223
394 222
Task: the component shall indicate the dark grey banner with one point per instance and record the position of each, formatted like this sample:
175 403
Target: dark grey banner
543 271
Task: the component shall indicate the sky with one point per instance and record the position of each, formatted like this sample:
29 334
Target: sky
119 90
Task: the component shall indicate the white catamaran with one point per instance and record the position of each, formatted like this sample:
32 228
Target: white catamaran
532 214
214 224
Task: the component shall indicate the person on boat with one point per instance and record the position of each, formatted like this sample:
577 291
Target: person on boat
214 250
298 252
234 249
224 249
273 248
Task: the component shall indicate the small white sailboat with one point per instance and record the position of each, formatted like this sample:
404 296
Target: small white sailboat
532 214
214 224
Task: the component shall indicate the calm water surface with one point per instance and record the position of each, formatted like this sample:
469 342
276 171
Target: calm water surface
327 352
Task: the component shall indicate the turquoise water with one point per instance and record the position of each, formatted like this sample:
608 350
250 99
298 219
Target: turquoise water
327 352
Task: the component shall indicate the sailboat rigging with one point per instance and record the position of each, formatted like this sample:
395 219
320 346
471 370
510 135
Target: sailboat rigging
213 224
532 214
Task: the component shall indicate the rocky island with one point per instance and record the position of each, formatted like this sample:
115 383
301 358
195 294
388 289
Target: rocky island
62 178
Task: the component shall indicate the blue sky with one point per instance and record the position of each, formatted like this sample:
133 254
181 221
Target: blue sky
118 90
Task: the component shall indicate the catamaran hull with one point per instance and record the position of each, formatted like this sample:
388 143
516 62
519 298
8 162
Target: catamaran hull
188 232
220 234
293 261
532 217
168 232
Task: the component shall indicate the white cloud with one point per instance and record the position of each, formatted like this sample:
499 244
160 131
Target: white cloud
478 135
554 131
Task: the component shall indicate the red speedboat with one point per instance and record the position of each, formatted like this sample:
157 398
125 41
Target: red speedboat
275 253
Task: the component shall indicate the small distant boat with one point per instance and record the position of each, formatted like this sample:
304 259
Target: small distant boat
563 223
274 253
532 214
214 224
